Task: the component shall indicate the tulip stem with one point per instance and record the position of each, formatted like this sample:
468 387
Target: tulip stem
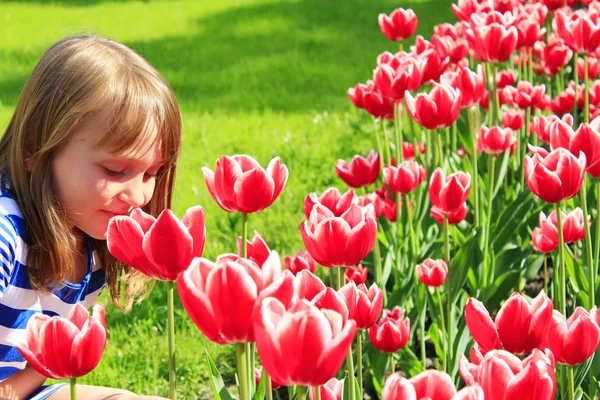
489 273
398 127
72 383
332 279
561 264
413 239
444 332
588 242
430 146
594 266
494 94
268 388
586 88
576 79
546 274
380 148
422 321
350 366
571 383
318 393
242 369
171 338
339 278
440 149
377 257
387 142
359 371
399 232
448 362
244 235
473 129
301 393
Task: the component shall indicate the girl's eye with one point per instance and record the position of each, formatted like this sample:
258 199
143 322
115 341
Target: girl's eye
111 172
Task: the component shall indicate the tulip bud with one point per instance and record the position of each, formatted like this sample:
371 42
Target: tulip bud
257 249
391 333
449 193
358 274
369 305
403 179
432 272
495 140
438 109
360 171
513 119
400 25
302 260
574 340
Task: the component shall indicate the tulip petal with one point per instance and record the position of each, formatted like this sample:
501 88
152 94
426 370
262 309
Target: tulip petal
194 222
254 191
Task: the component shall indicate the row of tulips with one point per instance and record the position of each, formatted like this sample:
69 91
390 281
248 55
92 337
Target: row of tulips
417 256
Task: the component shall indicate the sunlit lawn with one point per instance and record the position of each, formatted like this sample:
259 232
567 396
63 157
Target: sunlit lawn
265 78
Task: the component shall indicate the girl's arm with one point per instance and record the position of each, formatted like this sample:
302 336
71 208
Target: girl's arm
21 384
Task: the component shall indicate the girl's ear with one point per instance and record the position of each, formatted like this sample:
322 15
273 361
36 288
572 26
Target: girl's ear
28 154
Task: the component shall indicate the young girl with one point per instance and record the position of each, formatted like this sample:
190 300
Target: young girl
96 133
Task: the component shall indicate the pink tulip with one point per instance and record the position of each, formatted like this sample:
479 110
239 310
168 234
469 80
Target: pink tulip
449 193
160 248
302 260
357 273
400 25
60 348
437 109
332 390
257 249
332 199
240 184
392 332
575 339
432 272
360 171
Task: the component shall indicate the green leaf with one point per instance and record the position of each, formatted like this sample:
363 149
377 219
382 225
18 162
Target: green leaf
500 289
409 362
513 214
261 388
575 272
501 173
468 256
388 261
436 338
218 387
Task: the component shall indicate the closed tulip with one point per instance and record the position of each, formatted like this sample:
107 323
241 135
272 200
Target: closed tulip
240 184
357 93
60 348
556 177
358 274
495 140
593 68
574 340
572 225
453 48
505 78
160 248
454 217
301 345
332 390
544 126
525 95
360 171
394 82
564 102
408 150
432 272
519 326
471 84
405 178
529 31
553 56
391 333
428 385
257 249
302 260
449 193
587 140
438 109
220 296
579 31
400 25
339 241
504 376
375 200
332 199
492 42
377 104
513 119
369 305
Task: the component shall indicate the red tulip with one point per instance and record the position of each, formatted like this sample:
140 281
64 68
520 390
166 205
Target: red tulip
391 333
329 299
538 10
431 384
403 179
505 78
495 140
579 31
528 31
220 296
433 64
393 82
332 199
302 260
432 272
492 42
519 326
400 25
514 119
525 95
546 236
587 140
438 109
504 376
377 104
357 273
454 217
561 131
449 193
301 345
593 68
408 150
308 285
160 248
465 8
544 125
332 390
357 93
564 102
240 184
446 46
556 177
360 171
389 204
257 249
369 304
375 200
470 84
60 348
574 340
553 56
339 241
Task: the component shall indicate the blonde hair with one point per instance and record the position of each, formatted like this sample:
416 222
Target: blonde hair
75 78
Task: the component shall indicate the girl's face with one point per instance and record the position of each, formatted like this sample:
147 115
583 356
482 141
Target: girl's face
94 185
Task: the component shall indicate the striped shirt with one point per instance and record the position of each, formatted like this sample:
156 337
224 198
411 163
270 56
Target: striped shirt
18 301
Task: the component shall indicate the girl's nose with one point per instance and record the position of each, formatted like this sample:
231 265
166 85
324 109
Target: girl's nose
133 193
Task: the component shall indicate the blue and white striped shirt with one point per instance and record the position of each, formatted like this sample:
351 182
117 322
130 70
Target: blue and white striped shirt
18 301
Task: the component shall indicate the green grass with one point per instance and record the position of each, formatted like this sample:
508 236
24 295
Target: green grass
265 78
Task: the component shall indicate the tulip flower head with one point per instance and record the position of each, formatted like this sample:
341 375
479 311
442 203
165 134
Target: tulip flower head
454 217
332 390
301 345
393 82
575 339
60 348
545 238
430 384
302 260
358 274
496 140
587 140
400 25
332 199
513 119
257 249
432 272
519 326
449 193
555 177
405 178
160 248
360 171
339 241
437 109
492 42
369 304
391 333
240 184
